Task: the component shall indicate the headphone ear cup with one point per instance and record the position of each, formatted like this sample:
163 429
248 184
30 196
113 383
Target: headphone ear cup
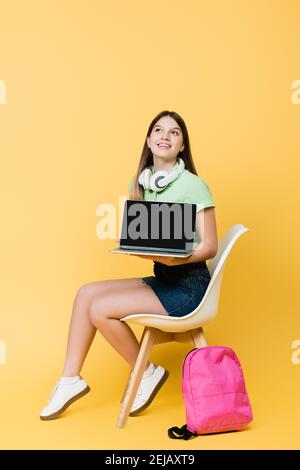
159 175
144 178
167 177
181 165
150 181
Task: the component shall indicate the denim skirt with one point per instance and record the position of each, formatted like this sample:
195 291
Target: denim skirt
180 288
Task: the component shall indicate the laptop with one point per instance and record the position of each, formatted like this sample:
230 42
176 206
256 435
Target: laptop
157 228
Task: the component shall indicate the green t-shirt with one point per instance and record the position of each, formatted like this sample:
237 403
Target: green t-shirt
187 187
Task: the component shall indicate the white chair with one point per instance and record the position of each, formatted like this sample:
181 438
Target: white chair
188 329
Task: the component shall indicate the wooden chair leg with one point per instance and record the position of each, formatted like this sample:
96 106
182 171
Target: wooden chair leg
161 337
125 390
199 338
147 343
130 373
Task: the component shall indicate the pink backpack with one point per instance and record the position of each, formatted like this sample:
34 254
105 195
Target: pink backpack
214 393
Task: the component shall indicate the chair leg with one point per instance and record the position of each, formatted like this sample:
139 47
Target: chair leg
131 371
147 343
125 390
198 338
161 337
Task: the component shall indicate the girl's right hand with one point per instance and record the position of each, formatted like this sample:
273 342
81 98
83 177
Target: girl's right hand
153 258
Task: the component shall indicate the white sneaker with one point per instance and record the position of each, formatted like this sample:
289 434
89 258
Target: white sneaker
148 388
62 396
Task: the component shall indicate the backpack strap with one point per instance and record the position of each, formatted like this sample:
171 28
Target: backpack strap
181 433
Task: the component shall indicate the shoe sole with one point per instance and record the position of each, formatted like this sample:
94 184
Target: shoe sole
66 405
152 396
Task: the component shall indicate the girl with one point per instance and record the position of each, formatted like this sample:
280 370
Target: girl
177 286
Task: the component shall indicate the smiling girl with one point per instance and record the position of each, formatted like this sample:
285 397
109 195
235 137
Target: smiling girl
178 284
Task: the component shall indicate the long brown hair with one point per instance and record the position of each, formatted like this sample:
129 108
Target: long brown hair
137 191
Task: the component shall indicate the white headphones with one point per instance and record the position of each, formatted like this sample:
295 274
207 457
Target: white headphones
159 180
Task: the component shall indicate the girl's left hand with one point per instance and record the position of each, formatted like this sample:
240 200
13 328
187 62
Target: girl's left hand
168 260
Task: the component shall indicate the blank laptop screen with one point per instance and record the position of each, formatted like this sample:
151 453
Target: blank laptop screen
163 225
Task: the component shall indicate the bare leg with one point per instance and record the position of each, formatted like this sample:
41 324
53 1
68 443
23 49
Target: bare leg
81 335
82 329
121 337
106 310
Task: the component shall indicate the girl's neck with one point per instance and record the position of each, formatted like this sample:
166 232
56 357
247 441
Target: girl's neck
160 164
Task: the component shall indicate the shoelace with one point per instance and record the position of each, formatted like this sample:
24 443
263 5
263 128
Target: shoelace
52 393
140 390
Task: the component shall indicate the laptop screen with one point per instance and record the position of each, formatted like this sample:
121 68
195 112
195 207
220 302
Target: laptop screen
161 225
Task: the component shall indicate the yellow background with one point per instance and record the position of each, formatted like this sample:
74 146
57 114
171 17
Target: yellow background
84 79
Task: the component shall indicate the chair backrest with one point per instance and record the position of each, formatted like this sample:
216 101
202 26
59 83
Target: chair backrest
208 307
224 247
